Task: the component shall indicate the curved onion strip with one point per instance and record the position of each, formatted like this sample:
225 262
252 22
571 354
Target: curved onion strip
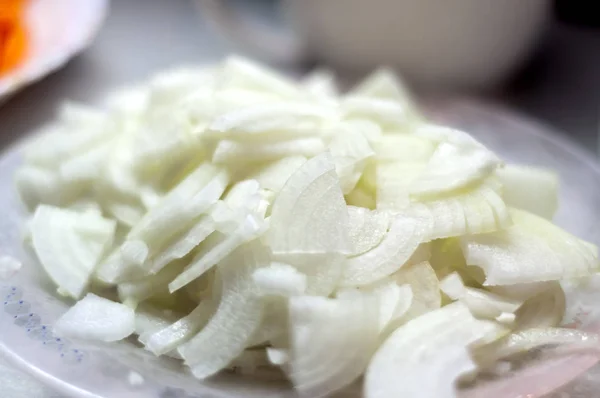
183 245
545 309
149 319
392 182
67 253
258 122
232 152
322 360
274 175
170 337
481 303
249 228
453 167
135 291
280 279
403 148
425 288
350 151
180 207
236 318
390 114
531 189
394 302
532 250
412 350
273 326
323 271
309 214
367 228
399 244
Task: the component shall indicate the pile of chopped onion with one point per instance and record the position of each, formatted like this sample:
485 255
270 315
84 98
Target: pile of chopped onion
247 220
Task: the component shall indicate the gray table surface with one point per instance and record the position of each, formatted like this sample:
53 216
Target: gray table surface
561 86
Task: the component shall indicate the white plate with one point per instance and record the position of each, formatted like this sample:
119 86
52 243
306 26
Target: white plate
29 305
58 29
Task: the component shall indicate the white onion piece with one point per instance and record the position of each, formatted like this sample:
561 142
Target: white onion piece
451 135
274 175
414 349
390 114
323 360
96 318
139 290
280 279
183 245
181 206
66 249
86 166
273 327
398 245
350 151
394 302
383 83
170 337
393 182
453 167
258 123
482 304
149 319
321 85
545 309
532 250
236 318
367 228
323 271
425 288
403 148
309 214
232 152
532 189
249 228
114 269
37 185
134 252
278 356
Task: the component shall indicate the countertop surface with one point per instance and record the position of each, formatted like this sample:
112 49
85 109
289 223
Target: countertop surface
560 86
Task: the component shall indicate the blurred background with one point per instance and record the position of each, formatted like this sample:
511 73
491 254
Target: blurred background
540 57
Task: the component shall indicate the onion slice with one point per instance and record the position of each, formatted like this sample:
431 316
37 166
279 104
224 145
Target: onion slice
322 360
532 250
236 318
309 215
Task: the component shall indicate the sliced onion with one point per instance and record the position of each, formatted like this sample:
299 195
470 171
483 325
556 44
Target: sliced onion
170 337
532 189
404 148
350 151
453 167
66 249
367 228
413 350
360 197
425 288
309 214
398 245
250 228
393 182
322 360
390 114
545 309
236 318
181 206
96 318
274 175
532 250
280 279
232 152
481 303
139 290
323 271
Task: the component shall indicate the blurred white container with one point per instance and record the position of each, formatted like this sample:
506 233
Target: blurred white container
452 44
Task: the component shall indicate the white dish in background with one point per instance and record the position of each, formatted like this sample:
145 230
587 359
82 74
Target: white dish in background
59 29
29 305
